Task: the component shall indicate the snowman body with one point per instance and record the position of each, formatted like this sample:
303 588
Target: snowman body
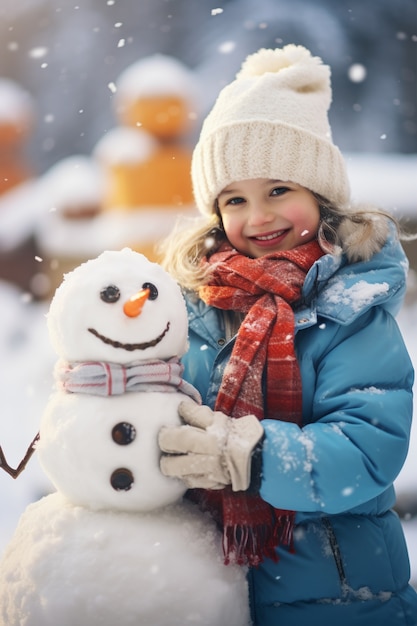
116 543
102 451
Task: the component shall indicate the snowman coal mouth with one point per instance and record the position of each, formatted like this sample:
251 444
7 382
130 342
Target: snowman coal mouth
130 346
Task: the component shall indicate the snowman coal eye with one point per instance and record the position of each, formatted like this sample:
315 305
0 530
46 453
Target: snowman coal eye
152 289
110 294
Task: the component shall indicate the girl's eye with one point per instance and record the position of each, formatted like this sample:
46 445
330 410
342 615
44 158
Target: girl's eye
279 191
153 291
231 203
110 294
237 200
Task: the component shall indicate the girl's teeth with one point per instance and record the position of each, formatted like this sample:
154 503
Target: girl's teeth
267 237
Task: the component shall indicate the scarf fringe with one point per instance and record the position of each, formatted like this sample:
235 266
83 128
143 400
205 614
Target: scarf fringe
244 545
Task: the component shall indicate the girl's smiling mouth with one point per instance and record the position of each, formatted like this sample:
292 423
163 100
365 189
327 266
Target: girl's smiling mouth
269 238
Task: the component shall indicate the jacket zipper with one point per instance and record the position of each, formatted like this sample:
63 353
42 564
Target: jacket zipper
335 548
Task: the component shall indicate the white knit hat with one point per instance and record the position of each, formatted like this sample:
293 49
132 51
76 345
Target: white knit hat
271 122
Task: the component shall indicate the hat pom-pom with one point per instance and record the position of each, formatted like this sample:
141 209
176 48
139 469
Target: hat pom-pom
300 70
291 56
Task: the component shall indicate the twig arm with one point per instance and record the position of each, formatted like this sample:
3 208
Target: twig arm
19 469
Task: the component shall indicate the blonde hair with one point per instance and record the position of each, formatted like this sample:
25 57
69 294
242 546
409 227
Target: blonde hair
359 231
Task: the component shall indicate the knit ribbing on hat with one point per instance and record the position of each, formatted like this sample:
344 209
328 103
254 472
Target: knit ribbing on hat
271 122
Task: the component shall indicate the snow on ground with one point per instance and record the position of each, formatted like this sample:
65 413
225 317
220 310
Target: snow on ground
406 483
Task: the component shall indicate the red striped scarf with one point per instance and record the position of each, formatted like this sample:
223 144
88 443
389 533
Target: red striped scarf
263 358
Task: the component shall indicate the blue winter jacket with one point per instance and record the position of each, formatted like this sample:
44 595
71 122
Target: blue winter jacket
350 563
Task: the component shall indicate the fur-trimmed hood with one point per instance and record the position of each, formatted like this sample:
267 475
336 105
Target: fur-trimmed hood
341 291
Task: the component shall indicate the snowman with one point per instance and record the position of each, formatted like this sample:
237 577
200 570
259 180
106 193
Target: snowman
116 544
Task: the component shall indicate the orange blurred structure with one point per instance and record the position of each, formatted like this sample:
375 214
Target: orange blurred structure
130 191
16 123
146 159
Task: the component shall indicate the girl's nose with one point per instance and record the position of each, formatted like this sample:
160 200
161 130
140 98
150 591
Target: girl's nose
260 214
133 307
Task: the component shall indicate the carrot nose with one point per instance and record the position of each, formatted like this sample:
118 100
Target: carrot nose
133 307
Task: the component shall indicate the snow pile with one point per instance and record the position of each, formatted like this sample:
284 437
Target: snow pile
386 180
157 75
16 104
161 568
74 181
125 145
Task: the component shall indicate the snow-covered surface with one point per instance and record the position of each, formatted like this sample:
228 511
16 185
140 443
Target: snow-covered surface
406 483
37 206
125 145
157 75
73 181
387 180
16 104
175 577
110 230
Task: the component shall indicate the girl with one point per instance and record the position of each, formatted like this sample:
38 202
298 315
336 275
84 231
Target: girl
307 384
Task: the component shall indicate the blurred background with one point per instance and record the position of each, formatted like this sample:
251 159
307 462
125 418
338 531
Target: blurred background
100 99
66 54
68 59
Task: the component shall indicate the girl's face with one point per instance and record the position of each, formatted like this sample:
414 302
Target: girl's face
261 216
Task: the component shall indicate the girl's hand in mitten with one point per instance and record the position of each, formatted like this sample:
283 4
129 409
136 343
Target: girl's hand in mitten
211 450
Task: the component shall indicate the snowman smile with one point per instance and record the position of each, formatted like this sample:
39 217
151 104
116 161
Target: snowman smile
130 346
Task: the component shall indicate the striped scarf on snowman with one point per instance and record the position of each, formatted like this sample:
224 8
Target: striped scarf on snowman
108 379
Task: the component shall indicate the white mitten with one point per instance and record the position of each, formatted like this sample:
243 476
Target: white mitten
211 450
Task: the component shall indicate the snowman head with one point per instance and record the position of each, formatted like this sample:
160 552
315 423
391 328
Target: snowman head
118 308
